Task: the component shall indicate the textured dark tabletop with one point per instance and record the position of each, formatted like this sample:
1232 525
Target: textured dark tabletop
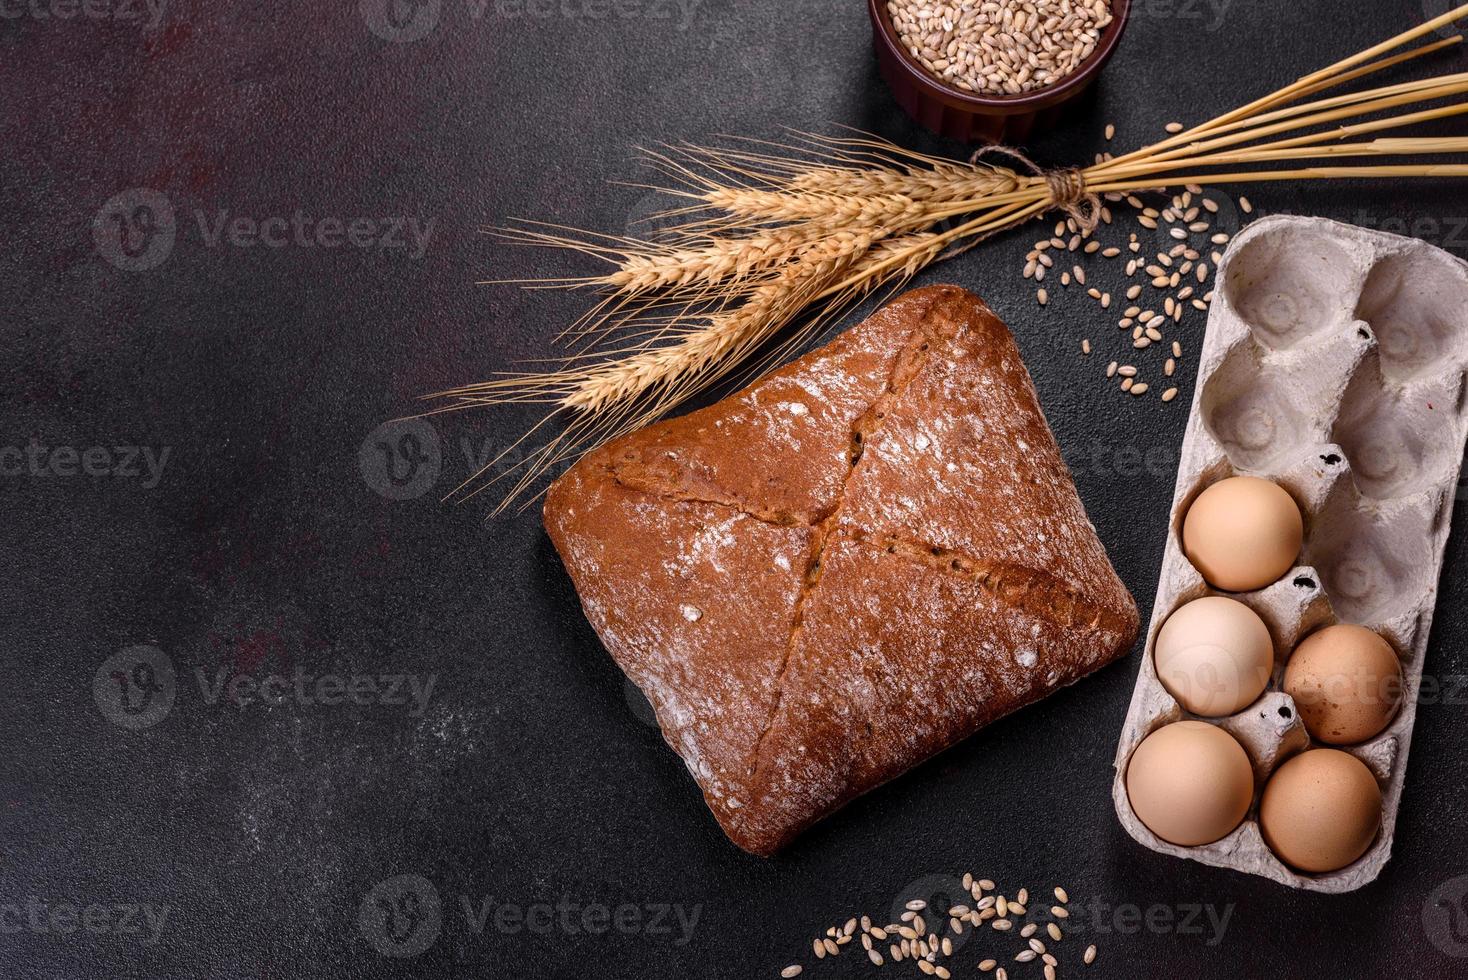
266 712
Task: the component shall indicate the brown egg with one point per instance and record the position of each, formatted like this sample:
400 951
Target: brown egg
1214 655
1320 810
1347 683
1243 533
1190 783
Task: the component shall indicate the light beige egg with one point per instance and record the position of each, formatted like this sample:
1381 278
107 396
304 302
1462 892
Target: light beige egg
1320 810
1190 783
1243 533
1214 655
1347 683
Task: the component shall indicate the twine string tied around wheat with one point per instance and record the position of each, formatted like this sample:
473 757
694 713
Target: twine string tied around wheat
1067 185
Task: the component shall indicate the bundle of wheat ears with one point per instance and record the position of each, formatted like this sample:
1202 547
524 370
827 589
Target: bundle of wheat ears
781 234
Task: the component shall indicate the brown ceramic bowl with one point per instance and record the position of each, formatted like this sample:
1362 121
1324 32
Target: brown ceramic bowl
969 118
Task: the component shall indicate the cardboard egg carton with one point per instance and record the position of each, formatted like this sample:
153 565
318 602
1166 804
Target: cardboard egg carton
1334 364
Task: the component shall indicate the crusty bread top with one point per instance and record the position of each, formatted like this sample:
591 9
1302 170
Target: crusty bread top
844 568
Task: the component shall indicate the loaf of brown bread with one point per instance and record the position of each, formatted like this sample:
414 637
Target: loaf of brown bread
845 568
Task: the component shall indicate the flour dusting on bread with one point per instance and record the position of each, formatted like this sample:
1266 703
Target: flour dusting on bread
877 573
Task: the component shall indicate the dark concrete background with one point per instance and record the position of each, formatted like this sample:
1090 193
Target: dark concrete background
266 541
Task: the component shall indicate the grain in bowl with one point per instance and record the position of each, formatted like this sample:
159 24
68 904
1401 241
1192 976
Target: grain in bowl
1000 47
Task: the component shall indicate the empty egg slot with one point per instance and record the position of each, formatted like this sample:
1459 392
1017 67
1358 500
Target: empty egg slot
1417 305
1398 440
1373 569
1290 283
1253 410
